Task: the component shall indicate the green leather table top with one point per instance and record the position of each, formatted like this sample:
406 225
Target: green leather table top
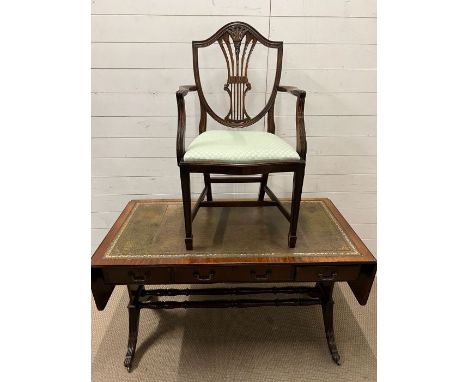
155 230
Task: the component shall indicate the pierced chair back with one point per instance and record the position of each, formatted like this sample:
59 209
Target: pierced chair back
237 41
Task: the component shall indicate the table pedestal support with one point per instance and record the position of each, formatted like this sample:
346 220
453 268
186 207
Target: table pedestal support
327 311
134 293
140 298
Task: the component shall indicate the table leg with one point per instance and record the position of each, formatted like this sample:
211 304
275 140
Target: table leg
133 323
327 311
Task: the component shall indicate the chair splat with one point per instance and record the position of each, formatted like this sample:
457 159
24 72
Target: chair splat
237 83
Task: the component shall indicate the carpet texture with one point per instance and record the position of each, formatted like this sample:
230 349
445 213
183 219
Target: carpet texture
265 344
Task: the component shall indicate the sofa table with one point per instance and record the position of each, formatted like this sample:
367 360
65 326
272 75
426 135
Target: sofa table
145 246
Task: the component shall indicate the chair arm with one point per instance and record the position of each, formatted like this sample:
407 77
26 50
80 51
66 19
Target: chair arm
301 141
184 89
293 90
181 117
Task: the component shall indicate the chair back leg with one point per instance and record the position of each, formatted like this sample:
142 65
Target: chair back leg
209 195
295 206
186 198
263 183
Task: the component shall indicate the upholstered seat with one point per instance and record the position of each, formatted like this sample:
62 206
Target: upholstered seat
239 146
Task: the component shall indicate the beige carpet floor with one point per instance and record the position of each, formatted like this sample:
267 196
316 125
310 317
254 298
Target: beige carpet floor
256 344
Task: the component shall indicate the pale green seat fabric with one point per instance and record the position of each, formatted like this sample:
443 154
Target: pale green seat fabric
239 146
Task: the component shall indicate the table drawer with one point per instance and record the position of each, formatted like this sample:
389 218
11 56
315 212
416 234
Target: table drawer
327 273
143 275
259 273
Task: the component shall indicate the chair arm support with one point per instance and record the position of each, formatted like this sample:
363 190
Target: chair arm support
181 118
301 141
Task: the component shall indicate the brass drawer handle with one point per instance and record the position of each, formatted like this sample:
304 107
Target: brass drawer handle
200 278
138 278
330 277
264 277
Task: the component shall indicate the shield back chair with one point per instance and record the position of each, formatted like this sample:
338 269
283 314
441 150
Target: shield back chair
238 152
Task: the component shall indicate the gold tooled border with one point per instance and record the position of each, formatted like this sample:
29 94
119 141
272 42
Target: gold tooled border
352 252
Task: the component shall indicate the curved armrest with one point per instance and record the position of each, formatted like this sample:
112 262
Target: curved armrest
301 141
184 89
293 90
180 94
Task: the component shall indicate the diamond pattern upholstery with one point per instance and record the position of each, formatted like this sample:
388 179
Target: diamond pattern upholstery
239 146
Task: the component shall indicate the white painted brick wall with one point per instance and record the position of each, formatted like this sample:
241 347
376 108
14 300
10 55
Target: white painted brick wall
141 53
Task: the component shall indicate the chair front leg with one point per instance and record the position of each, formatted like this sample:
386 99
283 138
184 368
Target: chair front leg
186 198
295 205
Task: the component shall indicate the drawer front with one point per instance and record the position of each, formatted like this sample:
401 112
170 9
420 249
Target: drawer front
260 273
144 275
327 273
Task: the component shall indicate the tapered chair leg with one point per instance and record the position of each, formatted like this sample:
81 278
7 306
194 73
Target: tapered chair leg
263 183
186 198
209 195
295 206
